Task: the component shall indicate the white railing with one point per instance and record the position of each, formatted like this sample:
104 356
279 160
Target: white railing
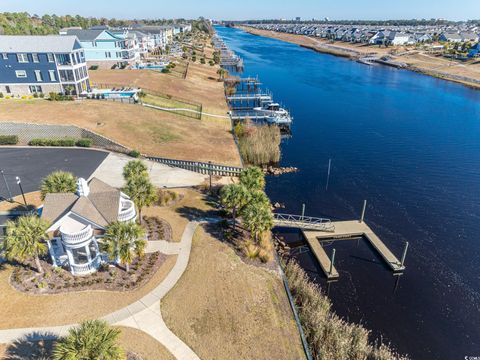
77 238
87 268
304 222
127 212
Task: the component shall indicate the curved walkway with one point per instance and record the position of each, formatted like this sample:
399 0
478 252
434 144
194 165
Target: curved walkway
143 314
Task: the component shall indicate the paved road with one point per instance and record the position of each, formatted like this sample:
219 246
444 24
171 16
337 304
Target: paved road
33 164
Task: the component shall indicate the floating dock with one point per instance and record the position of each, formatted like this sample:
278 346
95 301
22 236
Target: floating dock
345 230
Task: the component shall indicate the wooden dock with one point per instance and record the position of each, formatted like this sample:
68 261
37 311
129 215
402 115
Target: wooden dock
348 230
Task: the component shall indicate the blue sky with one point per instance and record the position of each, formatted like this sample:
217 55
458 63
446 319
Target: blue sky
257 9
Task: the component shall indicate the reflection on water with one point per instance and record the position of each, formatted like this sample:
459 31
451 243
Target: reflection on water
407 143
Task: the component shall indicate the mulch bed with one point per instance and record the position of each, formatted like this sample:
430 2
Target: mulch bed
157 228
109 277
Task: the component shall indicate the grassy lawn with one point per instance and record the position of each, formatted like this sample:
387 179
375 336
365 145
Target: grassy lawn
151 131
226 309
32 198
177 215
19 310
167 103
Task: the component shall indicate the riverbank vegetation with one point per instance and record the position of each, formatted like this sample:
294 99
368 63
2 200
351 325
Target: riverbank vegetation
259 145
248 200
328 336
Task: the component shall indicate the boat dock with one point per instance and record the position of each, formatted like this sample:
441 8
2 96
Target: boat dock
317 231
345 230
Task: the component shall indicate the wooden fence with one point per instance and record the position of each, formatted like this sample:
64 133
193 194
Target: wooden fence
199 167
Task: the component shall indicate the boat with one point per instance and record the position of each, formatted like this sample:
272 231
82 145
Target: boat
274 114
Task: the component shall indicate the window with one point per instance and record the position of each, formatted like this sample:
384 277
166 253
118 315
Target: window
50 57
38 75
35 58
108 54
22 58
35 89
52 75
5 56
7 89
119 54
20 73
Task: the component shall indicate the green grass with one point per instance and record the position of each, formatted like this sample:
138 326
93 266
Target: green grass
161 135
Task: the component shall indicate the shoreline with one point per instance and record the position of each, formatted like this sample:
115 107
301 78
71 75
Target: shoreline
354 52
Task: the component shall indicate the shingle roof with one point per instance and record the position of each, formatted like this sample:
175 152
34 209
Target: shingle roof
85 35
100 206
37 44
57 205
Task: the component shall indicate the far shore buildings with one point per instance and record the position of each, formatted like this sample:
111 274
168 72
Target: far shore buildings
79 221
42 64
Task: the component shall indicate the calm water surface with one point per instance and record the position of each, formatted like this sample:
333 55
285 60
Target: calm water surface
410 145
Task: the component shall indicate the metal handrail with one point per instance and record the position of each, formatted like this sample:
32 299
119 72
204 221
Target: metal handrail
304 221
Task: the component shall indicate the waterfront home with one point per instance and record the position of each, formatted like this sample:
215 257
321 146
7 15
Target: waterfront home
400 38
474 51
159 36
105 49
42 64
79 221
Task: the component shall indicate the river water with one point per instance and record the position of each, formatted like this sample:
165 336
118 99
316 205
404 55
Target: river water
410 145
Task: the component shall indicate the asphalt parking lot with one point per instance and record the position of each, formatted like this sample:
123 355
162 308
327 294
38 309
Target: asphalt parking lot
33 164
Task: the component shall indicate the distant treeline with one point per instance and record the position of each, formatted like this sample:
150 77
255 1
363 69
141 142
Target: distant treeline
25 24
413 22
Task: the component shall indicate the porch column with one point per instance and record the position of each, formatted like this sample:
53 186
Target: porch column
70 260
51 251
89 256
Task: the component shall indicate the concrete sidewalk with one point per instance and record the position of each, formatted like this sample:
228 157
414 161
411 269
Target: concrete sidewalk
110 171
144 314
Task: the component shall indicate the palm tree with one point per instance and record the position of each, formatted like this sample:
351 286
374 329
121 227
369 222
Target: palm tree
257 218
253 178
93 339
142 192
234 197
25 239
58 182
123 241
259 197
134 168
221 73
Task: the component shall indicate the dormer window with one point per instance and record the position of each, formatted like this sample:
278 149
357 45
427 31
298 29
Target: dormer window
5 56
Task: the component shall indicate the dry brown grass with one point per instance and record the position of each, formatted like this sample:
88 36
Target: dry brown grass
193 202
19 310
226 309
33 199
151 131
143 345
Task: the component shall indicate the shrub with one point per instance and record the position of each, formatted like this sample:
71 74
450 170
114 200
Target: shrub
8 139
202 61
8 97
35 95
84 142
260 145
42 95
134 153
165 71
1 95
52 142
93 67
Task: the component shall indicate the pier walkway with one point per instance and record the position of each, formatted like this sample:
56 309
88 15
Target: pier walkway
344 230
304 222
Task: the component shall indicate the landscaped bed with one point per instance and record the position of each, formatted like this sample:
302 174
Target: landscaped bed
157 228
109 277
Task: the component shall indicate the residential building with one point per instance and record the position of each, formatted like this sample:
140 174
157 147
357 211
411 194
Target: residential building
105 49
42 64
79 222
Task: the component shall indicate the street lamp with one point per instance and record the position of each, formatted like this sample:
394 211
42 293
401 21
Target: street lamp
19 183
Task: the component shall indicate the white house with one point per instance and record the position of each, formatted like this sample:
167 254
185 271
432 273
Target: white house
79 221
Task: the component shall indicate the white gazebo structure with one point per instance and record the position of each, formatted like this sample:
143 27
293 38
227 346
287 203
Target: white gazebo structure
79 220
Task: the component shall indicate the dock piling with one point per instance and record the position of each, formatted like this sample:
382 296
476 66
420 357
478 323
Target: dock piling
328 174
303 210
332 262
404 254
363 211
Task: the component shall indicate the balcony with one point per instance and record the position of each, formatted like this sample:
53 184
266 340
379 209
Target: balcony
69 238
88 268
127 211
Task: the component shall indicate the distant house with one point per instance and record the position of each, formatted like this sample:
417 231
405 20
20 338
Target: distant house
104 48
42 64
399 38
474 51
451 37
469 36
79 221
